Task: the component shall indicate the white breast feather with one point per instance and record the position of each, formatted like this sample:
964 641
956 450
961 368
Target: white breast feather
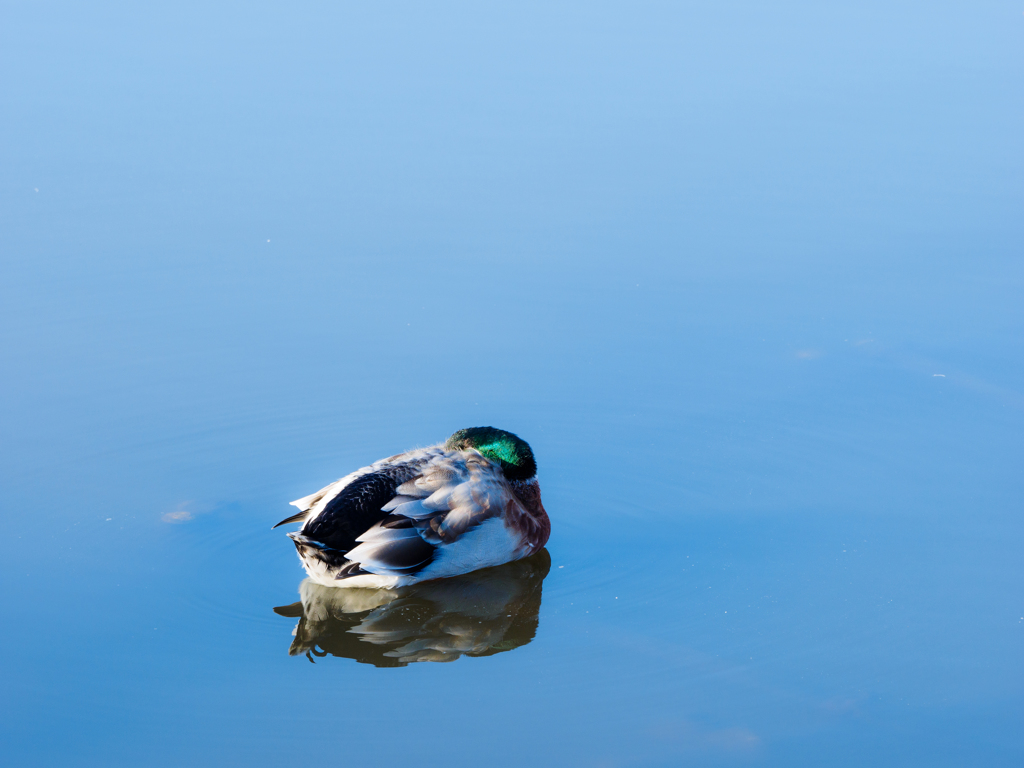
486 545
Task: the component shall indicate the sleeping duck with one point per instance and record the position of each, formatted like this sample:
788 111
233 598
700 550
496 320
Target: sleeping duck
471 502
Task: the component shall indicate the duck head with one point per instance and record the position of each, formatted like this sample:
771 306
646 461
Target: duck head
519 468
508 450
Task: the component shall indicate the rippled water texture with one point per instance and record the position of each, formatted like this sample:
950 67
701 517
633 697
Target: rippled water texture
746 276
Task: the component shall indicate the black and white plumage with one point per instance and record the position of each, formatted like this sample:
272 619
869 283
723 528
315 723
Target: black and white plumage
469 503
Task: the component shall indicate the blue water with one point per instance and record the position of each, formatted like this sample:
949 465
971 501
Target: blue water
746 276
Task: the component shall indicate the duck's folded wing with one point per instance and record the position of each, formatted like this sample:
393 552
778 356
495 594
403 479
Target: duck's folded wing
355 508
339 512
431 511
307 503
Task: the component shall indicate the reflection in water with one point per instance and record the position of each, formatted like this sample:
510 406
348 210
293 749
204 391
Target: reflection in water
477 614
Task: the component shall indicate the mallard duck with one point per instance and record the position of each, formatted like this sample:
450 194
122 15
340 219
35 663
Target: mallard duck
470 502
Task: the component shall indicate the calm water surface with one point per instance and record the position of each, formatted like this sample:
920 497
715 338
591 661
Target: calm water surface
747 277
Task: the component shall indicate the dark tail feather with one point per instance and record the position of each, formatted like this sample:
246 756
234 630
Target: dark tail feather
298 517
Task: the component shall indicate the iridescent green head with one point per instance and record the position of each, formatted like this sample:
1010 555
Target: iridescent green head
512 453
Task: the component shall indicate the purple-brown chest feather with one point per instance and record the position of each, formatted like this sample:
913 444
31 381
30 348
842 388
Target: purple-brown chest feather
528 518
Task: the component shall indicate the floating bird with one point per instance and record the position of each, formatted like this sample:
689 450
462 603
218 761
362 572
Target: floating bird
471 502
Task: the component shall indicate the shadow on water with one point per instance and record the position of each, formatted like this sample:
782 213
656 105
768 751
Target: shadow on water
478 614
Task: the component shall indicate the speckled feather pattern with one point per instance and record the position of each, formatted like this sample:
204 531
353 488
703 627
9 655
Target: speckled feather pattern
424 514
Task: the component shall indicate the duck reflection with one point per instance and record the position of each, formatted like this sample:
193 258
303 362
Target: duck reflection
477 614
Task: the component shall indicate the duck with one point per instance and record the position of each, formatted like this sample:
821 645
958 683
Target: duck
468 503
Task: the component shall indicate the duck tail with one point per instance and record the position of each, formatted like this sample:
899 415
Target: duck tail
298 517
305 541
311 551
306 504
